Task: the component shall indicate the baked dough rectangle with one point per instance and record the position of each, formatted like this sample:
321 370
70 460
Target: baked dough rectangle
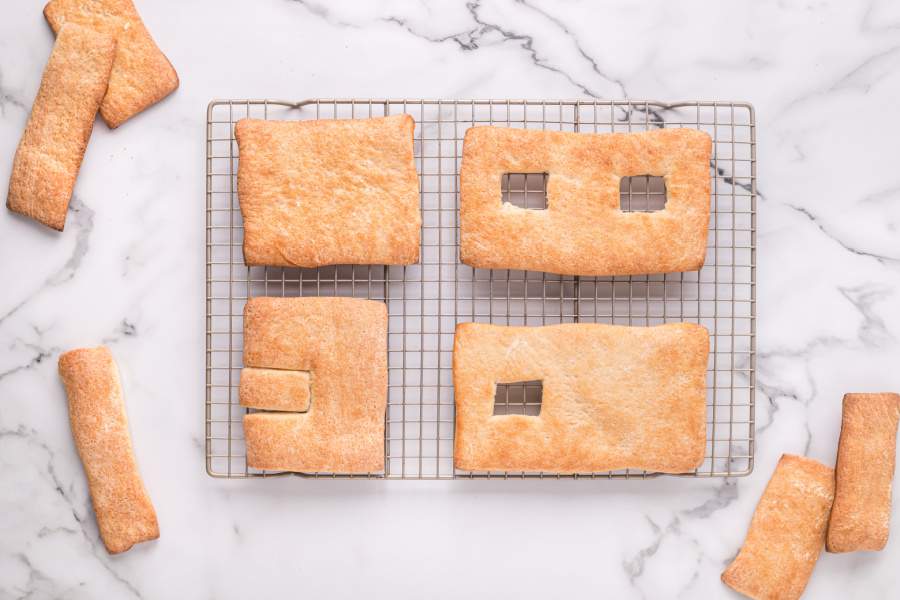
315 193
787 532
342 342
613 397
125 515
275 389
861 516
141 74
62 117
583 231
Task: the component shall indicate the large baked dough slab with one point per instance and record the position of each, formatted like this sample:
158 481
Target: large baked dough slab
62 117
583 231
141 74
125 515
787 532
342 342
861 516
317 193
613 397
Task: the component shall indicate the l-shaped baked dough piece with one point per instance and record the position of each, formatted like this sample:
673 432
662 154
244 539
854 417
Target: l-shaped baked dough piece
787 532
342 343
317 193
583 231
613 397
861 516
51 149
141 74
125 515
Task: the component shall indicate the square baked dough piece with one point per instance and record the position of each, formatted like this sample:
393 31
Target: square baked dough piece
583 231
317 193
613 397
342 343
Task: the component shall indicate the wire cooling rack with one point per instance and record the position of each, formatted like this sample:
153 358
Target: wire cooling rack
427 300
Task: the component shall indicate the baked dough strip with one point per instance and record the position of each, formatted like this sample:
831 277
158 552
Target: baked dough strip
51 149
861 516
787 532
275 389
125 514
141 74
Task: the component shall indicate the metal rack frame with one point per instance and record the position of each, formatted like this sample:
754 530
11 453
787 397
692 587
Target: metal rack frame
425 301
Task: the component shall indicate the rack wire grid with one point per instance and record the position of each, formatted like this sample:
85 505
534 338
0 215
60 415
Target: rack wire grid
425 301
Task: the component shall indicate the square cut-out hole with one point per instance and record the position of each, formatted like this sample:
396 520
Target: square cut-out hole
642 193
525 190
519 398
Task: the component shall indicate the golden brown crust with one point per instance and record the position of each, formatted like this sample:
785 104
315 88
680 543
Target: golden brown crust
124 512
787 532
613 397
275 389
141 74
343 343
317 193
861 516
62 117
583 231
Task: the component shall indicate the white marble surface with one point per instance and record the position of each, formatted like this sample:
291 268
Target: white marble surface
129 271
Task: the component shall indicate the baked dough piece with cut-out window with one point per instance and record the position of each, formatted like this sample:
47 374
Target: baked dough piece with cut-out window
583 230
612 397
336 346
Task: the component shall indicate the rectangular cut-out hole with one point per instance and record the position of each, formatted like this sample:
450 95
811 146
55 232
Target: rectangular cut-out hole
525 190
519 398
642 193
